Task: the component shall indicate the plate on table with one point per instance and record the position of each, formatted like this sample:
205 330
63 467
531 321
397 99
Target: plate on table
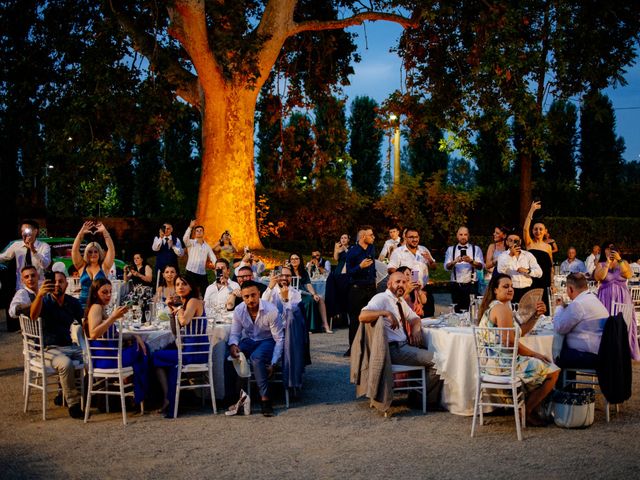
430 322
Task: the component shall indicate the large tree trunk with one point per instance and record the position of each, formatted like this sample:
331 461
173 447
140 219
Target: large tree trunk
226 200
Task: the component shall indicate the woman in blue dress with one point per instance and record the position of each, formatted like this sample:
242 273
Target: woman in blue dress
95 263
183 313
97 324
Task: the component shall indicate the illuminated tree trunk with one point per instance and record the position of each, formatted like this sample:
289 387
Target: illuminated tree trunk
226 199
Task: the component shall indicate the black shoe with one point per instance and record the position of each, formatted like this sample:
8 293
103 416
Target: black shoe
267 409
75 411
58 400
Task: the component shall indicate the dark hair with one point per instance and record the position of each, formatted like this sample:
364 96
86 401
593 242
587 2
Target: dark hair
403 268
221 241
245 267
249 284
411 229
195 291
577 280
31 222
144 260
489 294
302 271
28 267
197 227
163 282
223 260
603 247
93 299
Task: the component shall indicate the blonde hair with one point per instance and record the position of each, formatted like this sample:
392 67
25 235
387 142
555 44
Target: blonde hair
98 247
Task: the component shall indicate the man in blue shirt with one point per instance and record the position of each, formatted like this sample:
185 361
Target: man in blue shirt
58 311
362 278
572 264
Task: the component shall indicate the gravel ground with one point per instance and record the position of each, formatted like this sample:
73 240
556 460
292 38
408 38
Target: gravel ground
328 434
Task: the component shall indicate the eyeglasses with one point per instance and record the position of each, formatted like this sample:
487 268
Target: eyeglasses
285 275
294 258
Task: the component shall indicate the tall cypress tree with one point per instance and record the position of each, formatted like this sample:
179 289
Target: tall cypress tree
364 146
331 137
424 154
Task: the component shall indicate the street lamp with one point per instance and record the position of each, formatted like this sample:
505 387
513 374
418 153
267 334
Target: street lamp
396 148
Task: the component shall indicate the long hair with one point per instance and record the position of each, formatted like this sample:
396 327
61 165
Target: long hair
163 282
194 293
98 247
490 294
302 269
603 247
93 299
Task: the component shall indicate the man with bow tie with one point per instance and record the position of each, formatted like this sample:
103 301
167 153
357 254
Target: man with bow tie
462 260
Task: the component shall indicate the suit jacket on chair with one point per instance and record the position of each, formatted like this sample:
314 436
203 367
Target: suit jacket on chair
614 360
371 365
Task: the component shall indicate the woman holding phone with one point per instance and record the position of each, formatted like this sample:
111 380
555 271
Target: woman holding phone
612 273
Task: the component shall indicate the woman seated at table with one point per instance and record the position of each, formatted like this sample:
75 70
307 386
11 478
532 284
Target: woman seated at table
139 273
184 310
304 284
97 324
415 296
167 288
536 371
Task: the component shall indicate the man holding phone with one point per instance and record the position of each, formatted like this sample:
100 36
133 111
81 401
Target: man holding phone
218 292
463 260
58 311
168 248
520 265
29 251
278 291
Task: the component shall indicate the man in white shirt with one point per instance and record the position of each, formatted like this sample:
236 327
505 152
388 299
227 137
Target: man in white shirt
414 256
592 260
28 251
279 293
24 297
572 264
256 265
463 260
198 252
403 330
520 265
390 245
581 322
217 294
317 265
258 332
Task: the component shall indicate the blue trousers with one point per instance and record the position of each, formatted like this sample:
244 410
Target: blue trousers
259 354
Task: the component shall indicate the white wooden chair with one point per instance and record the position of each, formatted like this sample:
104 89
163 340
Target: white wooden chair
626 309
37 374
411 383
635 298
109 349
496 361
193 344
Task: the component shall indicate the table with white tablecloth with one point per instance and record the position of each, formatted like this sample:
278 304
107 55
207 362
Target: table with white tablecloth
455 362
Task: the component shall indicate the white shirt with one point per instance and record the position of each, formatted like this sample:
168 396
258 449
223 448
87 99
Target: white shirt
387 246
388 301
273 295
41 259
268 324
590 263
257 267
158 241
575 266
463 272
198 253
582 322
510 264
403 257
19 299
216 295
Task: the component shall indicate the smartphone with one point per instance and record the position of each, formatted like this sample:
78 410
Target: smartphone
218 273
51 276
415 276
463 252
516 243
277 271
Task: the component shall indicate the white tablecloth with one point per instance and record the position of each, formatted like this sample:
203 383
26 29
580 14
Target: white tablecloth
455 362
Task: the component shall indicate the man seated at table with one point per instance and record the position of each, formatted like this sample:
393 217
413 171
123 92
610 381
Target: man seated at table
21 301
243 274
403 330
318 265
572 264
58 311
279 293
258 332
581 322
218 292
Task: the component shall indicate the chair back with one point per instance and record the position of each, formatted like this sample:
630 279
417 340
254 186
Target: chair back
295 282
496 351
106 350
193 342
635 296
625 308
33 343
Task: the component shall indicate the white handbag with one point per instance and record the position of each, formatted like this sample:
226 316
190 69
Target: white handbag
573 408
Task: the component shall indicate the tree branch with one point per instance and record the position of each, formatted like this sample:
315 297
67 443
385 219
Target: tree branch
185 82
358 19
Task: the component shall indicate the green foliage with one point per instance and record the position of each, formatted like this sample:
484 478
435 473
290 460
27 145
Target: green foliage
364 147
330 130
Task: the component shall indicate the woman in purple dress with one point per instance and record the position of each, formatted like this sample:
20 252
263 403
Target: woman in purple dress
612 273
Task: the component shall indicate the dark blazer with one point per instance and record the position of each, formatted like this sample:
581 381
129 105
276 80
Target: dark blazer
614 360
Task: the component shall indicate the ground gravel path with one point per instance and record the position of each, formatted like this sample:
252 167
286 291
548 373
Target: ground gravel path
328 434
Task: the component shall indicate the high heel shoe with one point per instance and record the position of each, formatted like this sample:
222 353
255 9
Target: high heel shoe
243 405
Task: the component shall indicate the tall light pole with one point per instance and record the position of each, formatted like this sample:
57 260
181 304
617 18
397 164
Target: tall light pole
395 121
